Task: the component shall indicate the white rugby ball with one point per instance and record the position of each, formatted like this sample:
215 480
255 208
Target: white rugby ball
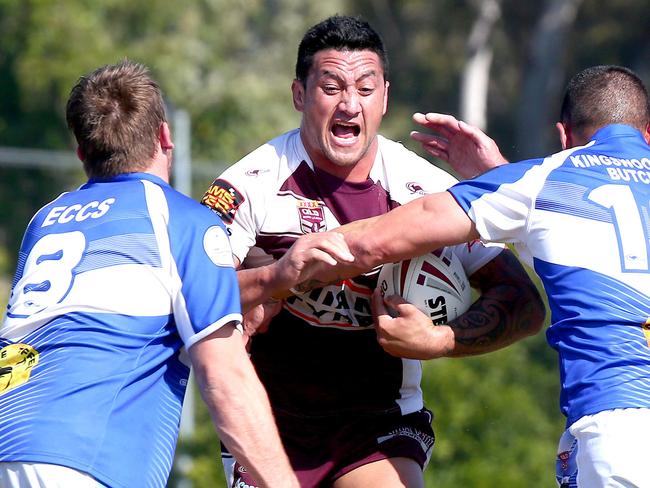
435 283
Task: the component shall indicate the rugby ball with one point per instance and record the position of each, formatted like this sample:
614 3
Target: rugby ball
435 283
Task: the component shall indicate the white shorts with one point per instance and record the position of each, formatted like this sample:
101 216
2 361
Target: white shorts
40 475
566 469
612 448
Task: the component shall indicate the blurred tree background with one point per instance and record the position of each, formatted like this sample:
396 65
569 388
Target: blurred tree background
498 63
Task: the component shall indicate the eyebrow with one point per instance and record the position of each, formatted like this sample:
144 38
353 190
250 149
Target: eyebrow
332 74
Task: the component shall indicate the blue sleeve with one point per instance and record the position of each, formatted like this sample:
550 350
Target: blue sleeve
208 297
499 202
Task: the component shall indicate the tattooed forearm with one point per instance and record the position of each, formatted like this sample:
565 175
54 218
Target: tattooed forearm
309 285
508 309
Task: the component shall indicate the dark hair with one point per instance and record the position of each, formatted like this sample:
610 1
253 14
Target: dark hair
603 95
115 113
339 32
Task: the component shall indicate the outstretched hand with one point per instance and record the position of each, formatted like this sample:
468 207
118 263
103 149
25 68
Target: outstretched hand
404 331
310 258
467 149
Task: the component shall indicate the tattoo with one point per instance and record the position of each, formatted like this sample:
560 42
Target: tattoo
310 285
508 309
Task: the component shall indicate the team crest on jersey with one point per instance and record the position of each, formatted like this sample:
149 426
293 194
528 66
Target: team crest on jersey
224 199
16 364
312 216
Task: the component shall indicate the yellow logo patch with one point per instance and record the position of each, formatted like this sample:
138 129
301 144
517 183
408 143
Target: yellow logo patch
646 330
16 363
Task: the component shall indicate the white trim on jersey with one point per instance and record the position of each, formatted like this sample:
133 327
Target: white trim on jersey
41 475
410 399
512 205
233 317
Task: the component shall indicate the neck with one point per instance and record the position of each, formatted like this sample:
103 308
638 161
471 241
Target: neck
353 173
356 173
160 165
160 171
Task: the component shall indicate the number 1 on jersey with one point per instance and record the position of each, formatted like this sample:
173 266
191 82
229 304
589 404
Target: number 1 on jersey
632 240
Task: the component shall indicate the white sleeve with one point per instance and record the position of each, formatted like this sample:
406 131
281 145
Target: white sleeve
476 254
232 201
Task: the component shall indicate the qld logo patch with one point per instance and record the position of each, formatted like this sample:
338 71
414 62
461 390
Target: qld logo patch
16 364
224 199
312 216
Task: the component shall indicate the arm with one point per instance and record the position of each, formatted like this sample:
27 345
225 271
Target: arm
240 407
465 148
413 229
508 309
258 285
426 223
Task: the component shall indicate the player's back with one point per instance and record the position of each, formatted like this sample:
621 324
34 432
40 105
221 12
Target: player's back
582 218
91 307
592 221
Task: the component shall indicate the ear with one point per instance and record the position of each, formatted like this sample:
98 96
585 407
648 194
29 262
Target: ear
646 134
565 135
165 137
386 86
298 92
80 154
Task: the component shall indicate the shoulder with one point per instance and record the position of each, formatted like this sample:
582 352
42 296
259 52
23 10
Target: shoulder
256 175
404 167
267 159
182 208
390 148
261 170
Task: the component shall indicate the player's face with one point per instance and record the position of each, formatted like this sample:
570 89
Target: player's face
342 105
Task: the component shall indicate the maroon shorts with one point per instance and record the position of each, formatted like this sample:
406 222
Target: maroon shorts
323 450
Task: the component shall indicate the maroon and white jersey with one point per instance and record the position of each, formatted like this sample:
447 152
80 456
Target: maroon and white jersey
320 355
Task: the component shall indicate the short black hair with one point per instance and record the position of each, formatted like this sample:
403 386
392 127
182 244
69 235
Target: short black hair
340 32
603 95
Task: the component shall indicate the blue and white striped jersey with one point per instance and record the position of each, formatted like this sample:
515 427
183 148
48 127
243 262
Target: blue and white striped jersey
112 281
581 218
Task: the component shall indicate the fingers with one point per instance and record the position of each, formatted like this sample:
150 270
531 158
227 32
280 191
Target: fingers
434 145
474 133
311 256
402 308
257 319
328 247
446 125
488 153
377 306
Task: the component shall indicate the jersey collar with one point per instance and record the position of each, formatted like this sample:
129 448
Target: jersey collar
129 177
616 130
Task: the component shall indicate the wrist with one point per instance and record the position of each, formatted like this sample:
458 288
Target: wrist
277 282
443 340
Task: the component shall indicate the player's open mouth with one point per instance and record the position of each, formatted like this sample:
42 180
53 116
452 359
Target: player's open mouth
345 131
